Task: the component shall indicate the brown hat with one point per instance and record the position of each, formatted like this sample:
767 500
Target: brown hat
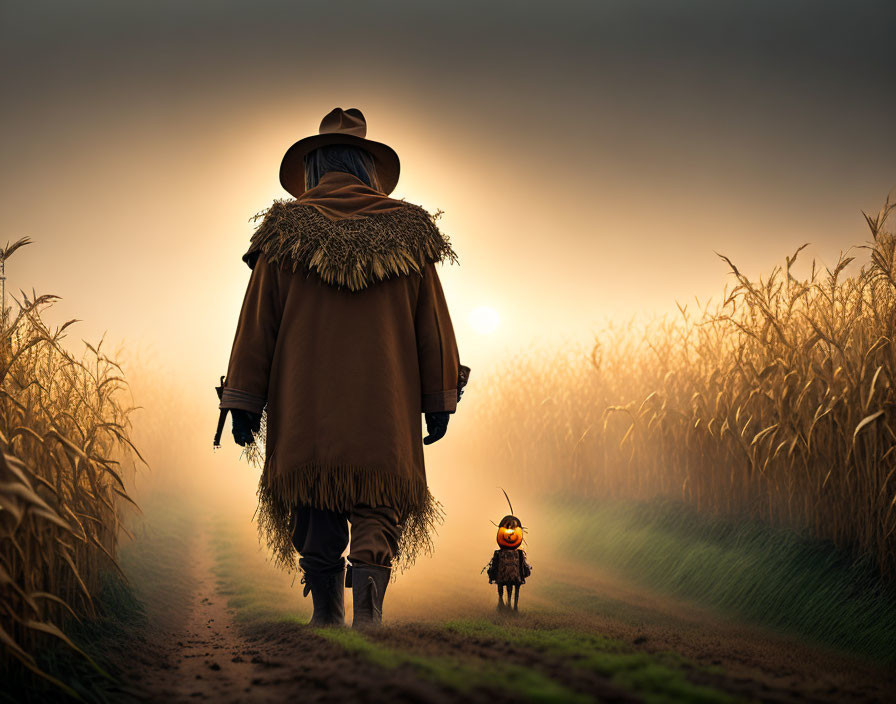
339 127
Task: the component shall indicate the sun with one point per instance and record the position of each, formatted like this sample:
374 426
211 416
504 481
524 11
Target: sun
484 320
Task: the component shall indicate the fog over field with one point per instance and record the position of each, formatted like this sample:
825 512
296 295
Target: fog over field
676 291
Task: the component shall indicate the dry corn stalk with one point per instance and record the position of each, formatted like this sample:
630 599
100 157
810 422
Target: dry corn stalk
63 435
778 402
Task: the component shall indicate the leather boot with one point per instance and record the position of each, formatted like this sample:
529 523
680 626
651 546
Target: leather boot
369 584
327 595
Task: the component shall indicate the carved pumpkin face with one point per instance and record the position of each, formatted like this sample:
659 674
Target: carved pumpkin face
510 532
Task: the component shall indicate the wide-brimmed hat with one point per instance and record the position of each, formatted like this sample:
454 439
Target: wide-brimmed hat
339 127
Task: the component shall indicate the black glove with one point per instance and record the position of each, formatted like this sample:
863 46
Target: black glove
245 425
436 426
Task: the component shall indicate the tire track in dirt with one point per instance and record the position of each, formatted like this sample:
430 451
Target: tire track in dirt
203 657
211 660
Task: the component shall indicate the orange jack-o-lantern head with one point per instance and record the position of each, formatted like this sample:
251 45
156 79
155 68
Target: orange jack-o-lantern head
510 532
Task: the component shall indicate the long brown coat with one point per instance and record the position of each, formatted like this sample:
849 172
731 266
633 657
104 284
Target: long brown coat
344 339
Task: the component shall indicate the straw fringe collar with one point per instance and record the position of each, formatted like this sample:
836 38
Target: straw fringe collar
351 252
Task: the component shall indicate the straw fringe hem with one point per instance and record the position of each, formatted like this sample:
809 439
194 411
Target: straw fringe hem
338 488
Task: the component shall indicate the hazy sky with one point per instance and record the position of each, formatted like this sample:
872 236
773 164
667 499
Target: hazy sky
589 157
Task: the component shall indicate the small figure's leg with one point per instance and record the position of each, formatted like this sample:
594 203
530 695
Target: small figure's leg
501 596
516 598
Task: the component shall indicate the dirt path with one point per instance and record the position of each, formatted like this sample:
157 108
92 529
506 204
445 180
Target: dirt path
203 657
204 654
209 657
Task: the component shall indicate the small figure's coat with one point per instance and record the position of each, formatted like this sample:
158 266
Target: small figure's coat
345 338
508 567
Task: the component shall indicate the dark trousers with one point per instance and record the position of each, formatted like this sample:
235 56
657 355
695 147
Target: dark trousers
321 536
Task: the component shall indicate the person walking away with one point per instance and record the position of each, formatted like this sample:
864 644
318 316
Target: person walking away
343 340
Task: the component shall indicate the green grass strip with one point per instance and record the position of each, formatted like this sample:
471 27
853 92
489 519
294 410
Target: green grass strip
767 575
255 596
653 677
256 600
528 684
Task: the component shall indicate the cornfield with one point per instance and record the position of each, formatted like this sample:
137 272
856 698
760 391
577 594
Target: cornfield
777 402
63 436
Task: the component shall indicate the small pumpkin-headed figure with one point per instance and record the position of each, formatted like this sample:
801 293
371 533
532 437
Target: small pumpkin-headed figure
508 566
